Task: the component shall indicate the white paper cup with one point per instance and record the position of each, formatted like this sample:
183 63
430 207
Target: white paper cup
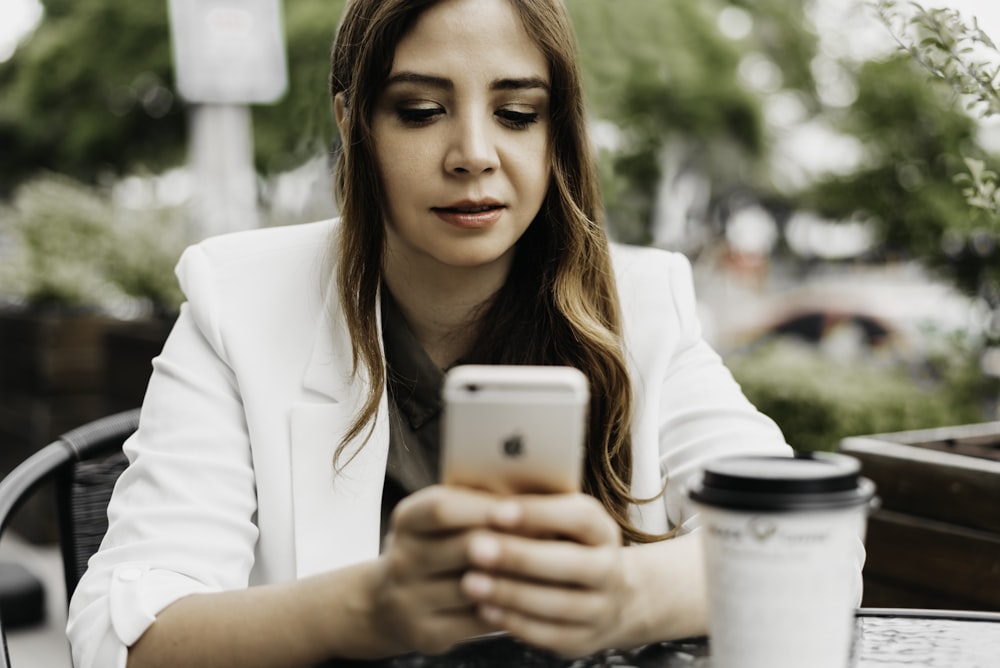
781 538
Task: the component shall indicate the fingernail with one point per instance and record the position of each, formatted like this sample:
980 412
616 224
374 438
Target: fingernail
479 585
484 550
491 614
507 513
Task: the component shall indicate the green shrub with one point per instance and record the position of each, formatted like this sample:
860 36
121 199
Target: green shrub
59 232
818 400
68 245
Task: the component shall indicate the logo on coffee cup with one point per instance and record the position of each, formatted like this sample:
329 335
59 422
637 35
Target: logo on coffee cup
762 529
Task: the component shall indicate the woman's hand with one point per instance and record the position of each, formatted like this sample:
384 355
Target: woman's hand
419 604
551 571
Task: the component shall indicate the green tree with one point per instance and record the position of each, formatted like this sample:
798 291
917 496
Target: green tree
664 74
91 92
912 132
927 183
962 57
300 125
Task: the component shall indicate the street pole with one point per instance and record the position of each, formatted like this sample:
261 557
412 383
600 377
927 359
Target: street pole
221 161
228 54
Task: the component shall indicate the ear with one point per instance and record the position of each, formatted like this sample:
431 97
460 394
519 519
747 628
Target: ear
340 113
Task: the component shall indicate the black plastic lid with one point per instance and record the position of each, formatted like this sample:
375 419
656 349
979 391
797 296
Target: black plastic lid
810 481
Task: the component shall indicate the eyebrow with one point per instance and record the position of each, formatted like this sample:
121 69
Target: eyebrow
443 83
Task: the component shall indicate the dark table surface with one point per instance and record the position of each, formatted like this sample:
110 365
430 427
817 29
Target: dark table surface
883 638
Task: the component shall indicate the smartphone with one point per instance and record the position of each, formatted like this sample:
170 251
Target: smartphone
514 429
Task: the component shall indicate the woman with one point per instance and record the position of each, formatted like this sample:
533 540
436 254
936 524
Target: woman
284 419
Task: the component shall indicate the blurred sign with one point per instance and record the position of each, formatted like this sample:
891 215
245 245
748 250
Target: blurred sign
228 51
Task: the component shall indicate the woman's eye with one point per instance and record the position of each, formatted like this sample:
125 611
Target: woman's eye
418 116
517 120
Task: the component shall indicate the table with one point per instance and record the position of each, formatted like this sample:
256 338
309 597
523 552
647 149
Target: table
888 637
884 638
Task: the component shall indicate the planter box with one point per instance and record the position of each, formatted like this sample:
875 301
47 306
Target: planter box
51 352
129 349
52 372
935 540
59 370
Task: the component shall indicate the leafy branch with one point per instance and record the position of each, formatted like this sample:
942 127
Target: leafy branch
964 57
980 188
942 43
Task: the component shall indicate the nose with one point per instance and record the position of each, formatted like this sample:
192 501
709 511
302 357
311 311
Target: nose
472 149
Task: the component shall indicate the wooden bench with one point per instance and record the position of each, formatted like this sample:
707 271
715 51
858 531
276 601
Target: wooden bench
934 540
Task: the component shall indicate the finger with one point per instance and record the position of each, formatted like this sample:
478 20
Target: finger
551 561
436 634
414 555
438 596
439 508
567 640
562 605
578 517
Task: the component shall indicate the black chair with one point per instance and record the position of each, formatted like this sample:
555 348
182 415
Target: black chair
83 464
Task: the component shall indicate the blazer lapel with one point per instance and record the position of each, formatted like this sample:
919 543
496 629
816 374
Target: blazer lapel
336 505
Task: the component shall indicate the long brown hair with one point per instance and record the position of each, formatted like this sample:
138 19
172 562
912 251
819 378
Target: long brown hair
559 304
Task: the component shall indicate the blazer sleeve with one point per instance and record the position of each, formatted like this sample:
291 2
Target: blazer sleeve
699 410
181 519
703 413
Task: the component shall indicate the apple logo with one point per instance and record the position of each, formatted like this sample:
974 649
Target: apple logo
513 446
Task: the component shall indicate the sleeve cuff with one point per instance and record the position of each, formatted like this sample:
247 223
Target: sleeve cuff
139 593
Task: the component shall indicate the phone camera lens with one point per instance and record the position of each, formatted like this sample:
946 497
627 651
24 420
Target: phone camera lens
472 387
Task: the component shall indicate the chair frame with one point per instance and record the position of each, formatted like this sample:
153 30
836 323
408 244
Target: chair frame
56 461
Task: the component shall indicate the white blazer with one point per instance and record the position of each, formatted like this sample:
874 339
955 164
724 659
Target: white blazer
232 481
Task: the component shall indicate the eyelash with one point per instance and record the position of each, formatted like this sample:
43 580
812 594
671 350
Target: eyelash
517 120
418 116
421 116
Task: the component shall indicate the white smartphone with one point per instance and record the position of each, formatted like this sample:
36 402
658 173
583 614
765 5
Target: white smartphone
514 429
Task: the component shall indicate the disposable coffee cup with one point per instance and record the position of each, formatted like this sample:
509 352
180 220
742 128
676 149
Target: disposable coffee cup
783 551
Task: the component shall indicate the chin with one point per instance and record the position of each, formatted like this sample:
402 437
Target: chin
474 258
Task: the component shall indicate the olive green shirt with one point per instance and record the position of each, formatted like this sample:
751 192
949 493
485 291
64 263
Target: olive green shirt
414 385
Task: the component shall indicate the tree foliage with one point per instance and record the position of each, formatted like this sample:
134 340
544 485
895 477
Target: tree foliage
959 232
911 134
664 74
91 93
659 70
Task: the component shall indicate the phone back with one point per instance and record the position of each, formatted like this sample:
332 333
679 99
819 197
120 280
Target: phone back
514 429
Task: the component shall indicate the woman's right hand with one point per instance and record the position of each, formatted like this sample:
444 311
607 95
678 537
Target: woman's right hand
418 600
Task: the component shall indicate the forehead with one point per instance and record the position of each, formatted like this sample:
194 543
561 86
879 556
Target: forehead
470 38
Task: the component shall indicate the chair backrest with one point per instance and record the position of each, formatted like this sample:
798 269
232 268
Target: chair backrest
84 463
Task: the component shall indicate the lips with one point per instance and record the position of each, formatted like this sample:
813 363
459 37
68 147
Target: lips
470 214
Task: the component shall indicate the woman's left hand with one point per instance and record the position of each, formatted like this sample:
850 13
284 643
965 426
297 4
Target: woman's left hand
552 572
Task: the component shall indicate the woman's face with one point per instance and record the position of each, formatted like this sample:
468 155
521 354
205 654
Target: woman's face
461 137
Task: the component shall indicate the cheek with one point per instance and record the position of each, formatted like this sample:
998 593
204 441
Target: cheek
392 167
543 161
535 172
527 158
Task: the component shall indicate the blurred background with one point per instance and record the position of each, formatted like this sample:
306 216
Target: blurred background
827 165
834 194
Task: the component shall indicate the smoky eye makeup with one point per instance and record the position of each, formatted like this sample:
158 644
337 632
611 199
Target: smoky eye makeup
416 100
416 116
420 115
517 120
